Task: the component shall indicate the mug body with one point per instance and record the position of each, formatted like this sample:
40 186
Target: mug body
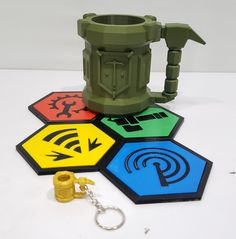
116 61
64 185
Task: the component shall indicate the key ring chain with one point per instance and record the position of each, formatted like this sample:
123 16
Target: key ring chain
102 209
64 187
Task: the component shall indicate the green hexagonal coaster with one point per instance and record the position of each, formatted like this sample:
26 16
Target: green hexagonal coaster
155 121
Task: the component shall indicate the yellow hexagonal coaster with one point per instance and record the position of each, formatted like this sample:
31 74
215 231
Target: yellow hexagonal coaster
65 146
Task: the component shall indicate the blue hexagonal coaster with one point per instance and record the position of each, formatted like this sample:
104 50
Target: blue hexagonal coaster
158 171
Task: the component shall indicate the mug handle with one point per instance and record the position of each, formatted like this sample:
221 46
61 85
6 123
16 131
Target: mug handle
176 35
82 182
172 73
171 81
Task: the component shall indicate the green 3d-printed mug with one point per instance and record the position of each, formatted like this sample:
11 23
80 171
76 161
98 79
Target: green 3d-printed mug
117 59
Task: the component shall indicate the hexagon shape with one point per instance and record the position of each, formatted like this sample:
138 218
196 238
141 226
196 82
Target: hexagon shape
158 171
155 121
59 107
75 147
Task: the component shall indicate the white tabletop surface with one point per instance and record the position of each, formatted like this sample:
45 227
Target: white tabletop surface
28 209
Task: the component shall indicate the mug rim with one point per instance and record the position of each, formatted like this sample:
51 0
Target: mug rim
118 20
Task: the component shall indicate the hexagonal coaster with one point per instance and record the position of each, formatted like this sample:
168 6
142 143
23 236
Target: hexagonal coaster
155 121
60 107
157 171
76 147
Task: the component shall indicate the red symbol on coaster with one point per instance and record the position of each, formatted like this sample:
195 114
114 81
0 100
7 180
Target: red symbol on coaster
61 107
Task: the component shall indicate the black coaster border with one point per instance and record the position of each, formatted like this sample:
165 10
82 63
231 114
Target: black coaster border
137 199
112 151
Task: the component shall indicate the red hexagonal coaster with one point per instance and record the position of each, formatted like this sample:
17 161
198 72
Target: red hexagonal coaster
62 107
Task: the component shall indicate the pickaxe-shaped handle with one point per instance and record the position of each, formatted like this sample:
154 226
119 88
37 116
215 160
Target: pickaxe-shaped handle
176 35
82 181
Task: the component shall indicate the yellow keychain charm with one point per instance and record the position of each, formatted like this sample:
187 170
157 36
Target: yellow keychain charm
64 188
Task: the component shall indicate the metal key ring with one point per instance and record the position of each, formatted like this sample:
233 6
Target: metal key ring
99 212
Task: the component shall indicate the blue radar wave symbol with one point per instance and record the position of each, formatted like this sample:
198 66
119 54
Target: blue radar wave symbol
171 167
